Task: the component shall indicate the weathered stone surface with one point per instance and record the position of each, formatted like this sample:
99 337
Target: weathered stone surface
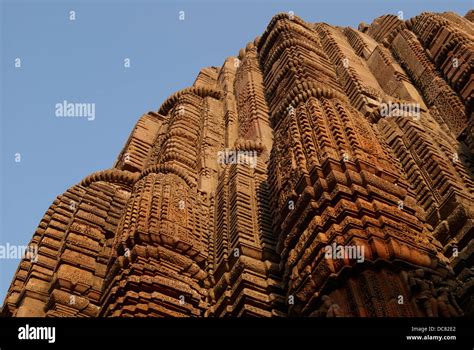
226 200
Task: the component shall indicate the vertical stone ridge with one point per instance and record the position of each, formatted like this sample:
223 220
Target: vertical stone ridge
229 199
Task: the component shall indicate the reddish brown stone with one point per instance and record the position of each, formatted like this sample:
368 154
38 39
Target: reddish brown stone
225 202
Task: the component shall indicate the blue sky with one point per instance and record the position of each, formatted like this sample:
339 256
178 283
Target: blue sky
83 61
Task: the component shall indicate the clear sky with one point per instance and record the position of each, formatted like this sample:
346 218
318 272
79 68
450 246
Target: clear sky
83 61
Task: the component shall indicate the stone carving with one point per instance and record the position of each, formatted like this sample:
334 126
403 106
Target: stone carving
177 229
423 292
328 309
434 293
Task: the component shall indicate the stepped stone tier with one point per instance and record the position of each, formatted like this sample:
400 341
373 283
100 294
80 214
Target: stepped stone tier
325 171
